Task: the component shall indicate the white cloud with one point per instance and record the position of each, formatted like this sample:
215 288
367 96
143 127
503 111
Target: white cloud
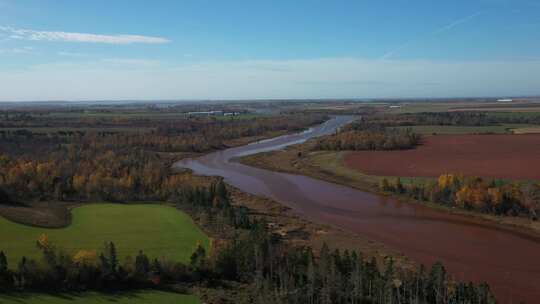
316 78
33 35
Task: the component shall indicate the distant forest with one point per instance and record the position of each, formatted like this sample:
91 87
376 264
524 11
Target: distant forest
117 166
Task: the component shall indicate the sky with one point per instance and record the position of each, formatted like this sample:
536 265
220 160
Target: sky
185 50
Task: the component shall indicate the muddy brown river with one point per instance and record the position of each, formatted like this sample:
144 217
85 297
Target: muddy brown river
470 249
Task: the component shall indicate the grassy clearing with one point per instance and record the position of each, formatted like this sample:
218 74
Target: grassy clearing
98 298
332 163
160 231
420 107
527 130
325 165
445 130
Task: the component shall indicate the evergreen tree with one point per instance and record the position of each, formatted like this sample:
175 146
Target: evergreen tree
198 258
3 263
142 265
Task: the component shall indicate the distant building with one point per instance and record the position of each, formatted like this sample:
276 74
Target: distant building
394 107
505 100
205 113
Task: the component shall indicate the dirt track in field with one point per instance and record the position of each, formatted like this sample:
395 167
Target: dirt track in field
496 156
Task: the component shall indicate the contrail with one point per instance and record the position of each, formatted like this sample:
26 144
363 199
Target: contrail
434 33
456 23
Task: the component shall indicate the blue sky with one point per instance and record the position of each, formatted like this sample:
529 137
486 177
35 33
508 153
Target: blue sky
84 50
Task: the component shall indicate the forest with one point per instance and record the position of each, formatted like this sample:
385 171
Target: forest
473 193
121 166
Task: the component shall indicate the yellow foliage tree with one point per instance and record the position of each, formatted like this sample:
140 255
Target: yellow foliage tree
43 241
495 196
79 182
479 197
87 257
446 180
463 196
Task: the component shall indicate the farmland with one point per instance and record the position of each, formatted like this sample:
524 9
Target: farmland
496 156
158 230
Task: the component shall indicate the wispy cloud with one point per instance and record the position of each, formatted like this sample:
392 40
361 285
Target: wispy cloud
131 62
33 35
22 50
71 54
438 31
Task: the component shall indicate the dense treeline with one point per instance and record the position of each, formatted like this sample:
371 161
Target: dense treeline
118 166
284 274
474 193
454 119
368 136
276 271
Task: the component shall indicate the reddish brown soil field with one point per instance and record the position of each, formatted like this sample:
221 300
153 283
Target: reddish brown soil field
497 156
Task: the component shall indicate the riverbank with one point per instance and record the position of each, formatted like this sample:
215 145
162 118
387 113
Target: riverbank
329 166
300 231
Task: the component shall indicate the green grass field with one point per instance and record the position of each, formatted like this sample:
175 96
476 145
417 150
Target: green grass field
142 297
160 231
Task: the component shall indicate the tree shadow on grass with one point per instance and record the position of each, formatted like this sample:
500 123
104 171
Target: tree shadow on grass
75 297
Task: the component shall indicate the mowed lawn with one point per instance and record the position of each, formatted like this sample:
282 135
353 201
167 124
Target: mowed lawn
143 297
160 231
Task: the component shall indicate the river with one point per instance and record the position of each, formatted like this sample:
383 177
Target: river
470 249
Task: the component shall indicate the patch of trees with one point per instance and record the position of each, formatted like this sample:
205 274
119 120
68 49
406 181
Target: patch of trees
212 207
274 270
369 136
474 193
86 174
4 197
